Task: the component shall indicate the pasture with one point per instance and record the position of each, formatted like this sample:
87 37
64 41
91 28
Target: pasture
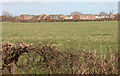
73 35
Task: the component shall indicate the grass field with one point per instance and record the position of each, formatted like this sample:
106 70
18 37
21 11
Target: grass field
74 35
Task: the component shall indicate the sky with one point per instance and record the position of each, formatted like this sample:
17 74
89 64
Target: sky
37 8
60 0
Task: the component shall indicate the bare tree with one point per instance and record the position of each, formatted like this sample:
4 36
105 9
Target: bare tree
6 16
103 13
76 13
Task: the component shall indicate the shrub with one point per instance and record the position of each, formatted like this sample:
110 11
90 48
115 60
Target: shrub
47 59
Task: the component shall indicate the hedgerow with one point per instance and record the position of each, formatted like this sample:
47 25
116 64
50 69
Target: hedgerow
22 58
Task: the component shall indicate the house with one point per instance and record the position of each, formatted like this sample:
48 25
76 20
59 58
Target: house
56 17
80 16
87 17
101 16
69 17
36 17
43 17
48 17
84 17
112 16
76 17
25 16
53 17
61 16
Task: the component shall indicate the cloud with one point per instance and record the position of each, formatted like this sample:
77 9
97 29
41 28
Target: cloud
60 0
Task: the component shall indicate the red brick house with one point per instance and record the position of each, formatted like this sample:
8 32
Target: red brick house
76 17
25 16
56 17
43 16
62 16
36 17
112 16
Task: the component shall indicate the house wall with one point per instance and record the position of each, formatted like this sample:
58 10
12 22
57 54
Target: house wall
63 16
56 18
102 17
88 18
23 17
97 17
27 17
76 17
36 18
71 17
112 16
41 18
53 18
48 18
45 16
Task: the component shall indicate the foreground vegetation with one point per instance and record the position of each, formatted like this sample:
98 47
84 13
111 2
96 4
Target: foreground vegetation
22 58
73 35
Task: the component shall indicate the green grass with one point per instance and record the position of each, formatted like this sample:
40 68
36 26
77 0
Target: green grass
74 35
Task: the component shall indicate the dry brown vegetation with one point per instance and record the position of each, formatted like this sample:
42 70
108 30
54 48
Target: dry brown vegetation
22 58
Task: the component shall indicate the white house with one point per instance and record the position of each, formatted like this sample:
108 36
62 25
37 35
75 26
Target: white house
101 16
69 17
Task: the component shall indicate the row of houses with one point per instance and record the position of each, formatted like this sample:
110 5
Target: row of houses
62 17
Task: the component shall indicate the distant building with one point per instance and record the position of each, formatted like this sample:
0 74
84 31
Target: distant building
112 16
53 17
43 17
87 17
101 16
56 16
76 17
36 17
25 16
69 17
84 17
61 16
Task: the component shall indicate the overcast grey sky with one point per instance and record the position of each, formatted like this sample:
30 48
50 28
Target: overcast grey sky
59 0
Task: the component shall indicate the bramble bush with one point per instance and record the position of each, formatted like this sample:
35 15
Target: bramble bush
22 58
